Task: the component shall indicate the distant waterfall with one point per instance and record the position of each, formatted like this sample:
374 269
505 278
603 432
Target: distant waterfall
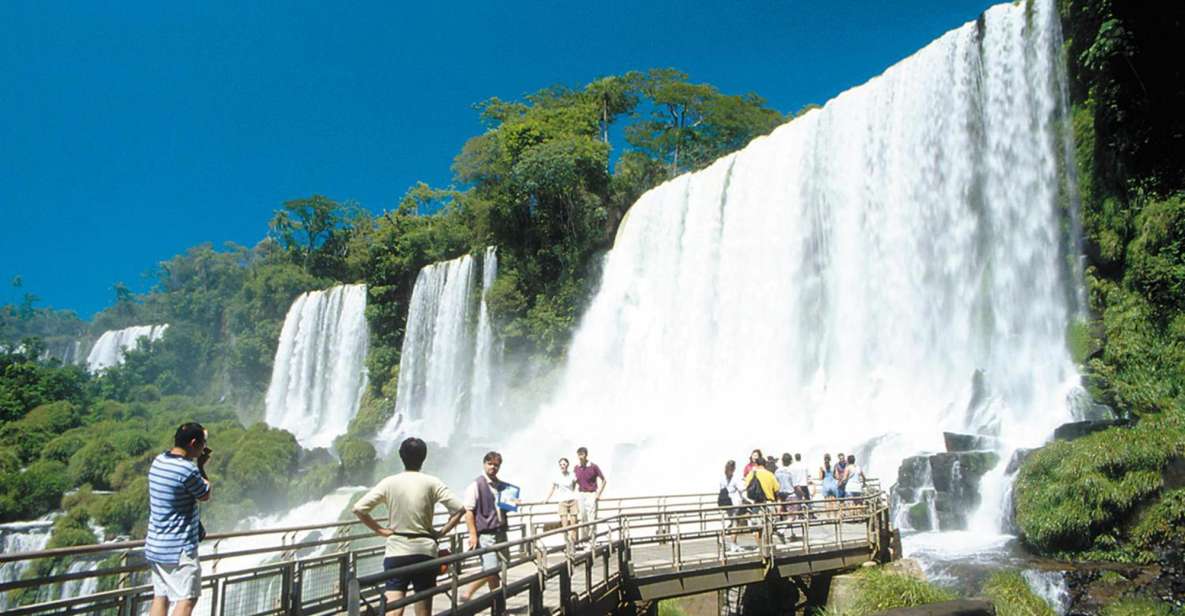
109 349
482 397
21 537
843 279
445 367
320 367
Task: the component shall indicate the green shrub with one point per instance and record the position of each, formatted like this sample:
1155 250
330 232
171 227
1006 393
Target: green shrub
71 529
357 459
1013 597
1140 607
1163 524
63 447
1073 497
125 512
878 590
669 608
94 464
34 492
373 413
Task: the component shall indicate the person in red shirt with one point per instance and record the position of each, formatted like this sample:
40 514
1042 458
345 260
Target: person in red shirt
590 482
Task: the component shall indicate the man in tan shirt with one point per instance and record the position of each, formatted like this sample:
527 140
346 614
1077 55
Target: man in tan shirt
410 498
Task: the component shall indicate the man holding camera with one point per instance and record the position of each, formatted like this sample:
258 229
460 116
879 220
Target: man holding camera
176 482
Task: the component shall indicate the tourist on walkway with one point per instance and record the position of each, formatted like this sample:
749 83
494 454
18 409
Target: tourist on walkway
827 476
730 488
563 486
410 498
785 481
756 458
486 521
176 482
855 480
765 491
841 474
801 475
590 482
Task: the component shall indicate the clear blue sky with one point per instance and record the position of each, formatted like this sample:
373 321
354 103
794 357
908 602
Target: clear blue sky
130 131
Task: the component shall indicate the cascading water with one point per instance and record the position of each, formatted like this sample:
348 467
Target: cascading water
109 349
482 396
320 368
841 282
446 364
21 537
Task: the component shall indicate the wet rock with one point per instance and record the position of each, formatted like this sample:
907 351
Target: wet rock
956 442
1018 458
1079 429
914 473
950 481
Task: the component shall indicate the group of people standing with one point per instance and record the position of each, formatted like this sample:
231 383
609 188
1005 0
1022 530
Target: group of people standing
764 481
411 497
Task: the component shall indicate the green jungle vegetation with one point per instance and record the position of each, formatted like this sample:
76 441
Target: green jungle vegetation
545 182
1105 496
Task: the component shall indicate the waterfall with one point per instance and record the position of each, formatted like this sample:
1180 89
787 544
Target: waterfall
482 396
842 279
436 360
21 537
447 375
320 368
109 349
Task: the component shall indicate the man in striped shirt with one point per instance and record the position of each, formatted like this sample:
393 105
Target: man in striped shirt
176 482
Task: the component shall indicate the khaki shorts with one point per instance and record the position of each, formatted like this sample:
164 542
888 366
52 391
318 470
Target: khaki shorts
178 581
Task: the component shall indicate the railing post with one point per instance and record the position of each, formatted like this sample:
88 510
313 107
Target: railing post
295 602
353 592
454 545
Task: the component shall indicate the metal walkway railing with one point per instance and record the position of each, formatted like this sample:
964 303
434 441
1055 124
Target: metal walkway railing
641 544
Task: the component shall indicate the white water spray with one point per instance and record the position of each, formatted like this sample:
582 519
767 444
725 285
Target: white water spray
844 278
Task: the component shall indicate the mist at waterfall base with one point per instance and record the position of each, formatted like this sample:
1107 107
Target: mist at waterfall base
839 284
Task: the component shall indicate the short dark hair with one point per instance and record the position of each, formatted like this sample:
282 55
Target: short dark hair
582 450
564 460
188 433
730 464
413 452
491 456
786 459
851 459
797 457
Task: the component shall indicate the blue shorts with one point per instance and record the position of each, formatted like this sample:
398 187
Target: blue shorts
830 490
420 580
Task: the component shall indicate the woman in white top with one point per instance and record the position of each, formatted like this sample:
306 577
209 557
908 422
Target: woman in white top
563 485
730 483
855 475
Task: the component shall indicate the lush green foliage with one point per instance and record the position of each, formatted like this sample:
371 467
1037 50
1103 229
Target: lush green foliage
1074 497
878 590
1013 597
1140 607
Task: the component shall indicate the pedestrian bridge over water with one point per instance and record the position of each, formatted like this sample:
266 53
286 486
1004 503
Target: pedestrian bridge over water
646 548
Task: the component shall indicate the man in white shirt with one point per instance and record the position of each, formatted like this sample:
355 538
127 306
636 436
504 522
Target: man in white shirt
410 498
800 477
563 486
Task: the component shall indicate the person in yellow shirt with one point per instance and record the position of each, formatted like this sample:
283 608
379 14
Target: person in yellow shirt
767 492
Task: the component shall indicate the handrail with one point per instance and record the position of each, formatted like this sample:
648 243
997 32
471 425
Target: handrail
633 524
